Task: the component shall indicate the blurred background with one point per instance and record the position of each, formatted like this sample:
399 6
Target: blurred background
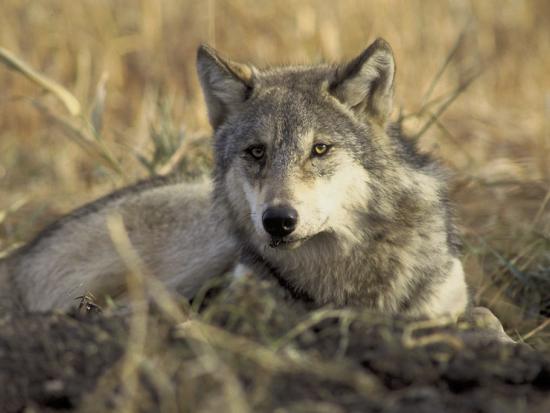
473 87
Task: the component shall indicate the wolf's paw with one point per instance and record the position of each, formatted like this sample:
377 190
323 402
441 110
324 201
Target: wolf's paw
484 319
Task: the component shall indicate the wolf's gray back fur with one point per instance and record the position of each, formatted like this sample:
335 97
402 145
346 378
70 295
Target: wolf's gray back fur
171 226
311 186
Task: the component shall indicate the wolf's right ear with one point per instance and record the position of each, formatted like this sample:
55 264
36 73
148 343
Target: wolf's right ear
365 84
225 84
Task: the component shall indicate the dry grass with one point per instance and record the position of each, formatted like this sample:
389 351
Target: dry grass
130 65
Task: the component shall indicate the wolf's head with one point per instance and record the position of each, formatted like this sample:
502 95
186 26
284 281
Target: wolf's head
296 147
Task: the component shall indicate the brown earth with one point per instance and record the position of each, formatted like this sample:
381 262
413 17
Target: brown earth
251 349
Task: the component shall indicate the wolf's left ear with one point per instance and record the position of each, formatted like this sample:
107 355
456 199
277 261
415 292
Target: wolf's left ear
225 84
366 83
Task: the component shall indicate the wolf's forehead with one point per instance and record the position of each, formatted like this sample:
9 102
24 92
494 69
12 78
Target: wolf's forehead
289 106
287 114
283 117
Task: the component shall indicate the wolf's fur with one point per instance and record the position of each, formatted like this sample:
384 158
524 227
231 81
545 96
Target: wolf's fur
374 227
170 226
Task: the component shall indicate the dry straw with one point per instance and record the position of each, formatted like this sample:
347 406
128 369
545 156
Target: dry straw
66 97
84 132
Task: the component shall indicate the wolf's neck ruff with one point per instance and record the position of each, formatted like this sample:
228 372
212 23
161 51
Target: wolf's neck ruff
256 261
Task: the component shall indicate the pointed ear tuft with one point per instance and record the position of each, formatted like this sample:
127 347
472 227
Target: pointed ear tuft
366 83
225 84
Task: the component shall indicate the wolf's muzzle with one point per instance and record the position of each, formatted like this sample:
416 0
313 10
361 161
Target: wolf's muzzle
280 221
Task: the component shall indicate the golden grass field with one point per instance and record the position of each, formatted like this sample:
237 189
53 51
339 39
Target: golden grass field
131 67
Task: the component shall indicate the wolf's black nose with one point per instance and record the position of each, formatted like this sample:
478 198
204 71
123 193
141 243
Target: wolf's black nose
280 221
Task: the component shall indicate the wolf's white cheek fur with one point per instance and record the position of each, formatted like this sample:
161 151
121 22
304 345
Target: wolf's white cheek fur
326 204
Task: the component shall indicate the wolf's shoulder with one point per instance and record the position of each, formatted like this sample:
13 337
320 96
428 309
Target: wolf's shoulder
408 152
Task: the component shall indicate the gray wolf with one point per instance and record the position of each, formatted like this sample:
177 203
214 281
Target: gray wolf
312 185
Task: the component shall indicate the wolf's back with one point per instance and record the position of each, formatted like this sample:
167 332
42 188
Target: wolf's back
172 227
8 296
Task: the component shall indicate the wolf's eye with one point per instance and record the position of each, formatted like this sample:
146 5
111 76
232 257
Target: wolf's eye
320 149
256 151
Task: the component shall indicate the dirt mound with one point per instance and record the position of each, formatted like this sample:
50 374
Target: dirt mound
251 349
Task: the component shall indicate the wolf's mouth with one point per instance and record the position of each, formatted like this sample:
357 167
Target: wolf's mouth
291 243
286 242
